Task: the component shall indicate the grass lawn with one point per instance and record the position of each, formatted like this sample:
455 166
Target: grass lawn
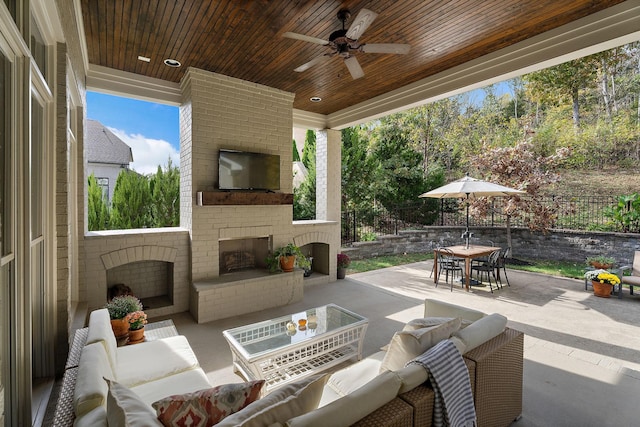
574 270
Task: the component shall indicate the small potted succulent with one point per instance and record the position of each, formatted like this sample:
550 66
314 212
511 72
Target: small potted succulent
343 263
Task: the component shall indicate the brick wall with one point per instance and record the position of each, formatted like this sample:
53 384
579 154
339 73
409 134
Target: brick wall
223 112
109 249
562 245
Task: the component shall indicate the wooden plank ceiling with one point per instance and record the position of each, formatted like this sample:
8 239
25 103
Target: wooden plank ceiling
243 39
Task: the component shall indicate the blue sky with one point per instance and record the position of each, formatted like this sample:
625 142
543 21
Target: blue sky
151 130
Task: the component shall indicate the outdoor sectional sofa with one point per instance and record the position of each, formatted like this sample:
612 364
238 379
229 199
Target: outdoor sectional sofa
358 395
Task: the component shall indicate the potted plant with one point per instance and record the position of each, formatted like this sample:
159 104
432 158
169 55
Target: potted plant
602 281
343 263
118 309
273 263
304 262
136 320
287 256
601 262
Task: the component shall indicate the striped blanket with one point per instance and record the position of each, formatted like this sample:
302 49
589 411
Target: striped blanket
449 378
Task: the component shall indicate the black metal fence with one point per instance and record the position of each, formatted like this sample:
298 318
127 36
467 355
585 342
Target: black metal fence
573 213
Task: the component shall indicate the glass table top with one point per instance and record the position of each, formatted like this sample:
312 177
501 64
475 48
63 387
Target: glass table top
271 335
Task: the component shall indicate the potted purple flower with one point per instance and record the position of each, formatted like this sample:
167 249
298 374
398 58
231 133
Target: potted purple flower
343 263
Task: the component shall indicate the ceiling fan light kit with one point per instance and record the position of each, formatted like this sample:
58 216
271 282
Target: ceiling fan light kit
344 43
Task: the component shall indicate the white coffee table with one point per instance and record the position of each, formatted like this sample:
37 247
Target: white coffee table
269 350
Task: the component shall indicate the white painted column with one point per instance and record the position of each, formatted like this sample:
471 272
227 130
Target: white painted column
328 174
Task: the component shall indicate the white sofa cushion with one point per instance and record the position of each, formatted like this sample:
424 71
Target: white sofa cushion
427 322
149 361
281 404
91 389
354 406
124 408
183 382
437 308
351 378
100 331
97 417
406 345
480 331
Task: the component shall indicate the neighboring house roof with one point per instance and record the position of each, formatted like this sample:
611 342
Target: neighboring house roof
104 147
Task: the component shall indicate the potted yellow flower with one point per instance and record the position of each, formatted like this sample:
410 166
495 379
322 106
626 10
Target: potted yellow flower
603 282
136 320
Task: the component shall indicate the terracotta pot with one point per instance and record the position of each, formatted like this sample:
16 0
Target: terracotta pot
602 290
599 266
287 262
136 336
120 328
341 272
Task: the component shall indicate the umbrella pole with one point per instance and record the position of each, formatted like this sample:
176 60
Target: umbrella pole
466 233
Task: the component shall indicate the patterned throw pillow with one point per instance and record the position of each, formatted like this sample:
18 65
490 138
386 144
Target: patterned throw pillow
206 407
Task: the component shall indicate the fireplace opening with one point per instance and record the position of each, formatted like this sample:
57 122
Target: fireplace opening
243 254
319 252
149 281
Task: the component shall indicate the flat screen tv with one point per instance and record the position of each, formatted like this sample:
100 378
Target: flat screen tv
242 170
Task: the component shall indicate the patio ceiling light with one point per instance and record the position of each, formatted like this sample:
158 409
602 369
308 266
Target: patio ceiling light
144 58
315 99
172 63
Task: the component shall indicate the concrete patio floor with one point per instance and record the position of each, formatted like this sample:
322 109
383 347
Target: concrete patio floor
582 353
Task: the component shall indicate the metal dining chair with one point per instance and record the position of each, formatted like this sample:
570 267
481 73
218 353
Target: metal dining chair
489 268
449 263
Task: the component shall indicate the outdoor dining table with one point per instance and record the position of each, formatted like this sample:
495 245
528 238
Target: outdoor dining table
468 253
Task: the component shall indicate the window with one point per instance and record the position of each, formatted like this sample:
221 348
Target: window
5 159
103 183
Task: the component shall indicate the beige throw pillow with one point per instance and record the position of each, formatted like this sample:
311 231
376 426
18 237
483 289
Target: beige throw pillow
124 408
406 345
281 404
427 322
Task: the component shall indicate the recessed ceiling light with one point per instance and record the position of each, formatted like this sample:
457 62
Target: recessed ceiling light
172 62
144 58
315 99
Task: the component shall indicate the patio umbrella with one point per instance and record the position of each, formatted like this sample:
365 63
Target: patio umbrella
469 188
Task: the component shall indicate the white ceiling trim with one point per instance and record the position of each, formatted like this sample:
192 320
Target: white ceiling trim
607 29
130 85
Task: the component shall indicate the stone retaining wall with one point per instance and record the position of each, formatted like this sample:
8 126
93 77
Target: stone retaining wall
564 245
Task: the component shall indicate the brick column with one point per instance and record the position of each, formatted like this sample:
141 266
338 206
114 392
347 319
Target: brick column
328 174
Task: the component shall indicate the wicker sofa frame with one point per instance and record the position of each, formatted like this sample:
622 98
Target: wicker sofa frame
495 371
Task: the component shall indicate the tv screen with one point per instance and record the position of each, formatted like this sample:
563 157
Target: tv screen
241 170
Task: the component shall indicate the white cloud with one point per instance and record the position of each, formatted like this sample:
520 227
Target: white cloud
148 153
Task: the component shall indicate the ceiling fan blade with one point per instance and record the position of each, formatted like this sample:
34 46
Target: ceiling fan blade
386 48
304 38
311 63
354 67
363 19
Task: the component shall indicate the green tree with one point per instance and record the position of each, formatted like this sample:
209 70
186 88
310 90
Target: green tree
555 83
131 205
296 155
309 150
398 177
304 197
165 196
97 209
356 170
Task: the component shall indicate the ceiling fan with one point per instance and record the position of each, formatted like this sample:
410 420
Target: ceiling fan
345 42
